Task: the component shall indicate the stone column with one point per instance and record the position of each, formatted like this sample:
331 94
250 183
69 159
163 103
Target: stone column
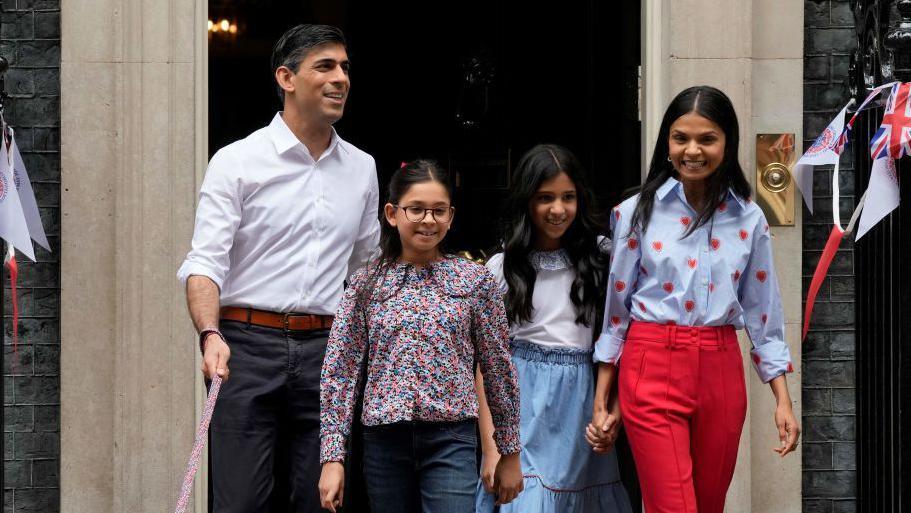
753 51
132 73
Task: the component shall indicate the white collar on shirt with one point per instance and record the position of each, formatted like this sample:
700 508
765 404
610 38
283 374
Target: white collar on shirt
284 139
673 184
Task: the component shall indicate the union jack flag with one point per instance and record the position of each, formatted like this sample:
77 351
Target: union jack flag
893 137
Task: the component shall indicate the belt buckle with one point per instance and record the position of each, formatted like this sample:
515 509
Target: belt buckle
286 321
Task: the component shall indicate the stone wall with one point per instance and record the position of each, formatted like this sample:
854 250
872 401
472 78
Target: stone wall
829 480
30 40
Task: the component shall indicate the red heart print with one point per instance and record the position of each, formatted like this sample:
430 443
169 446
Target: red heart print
723 206
620 286
631 243
731 312
668 287
691 262
764 318
790 367
616 214
711 287
657 246
744 235
756 359
685 220
642 306
716 244
761 276
689 304
615 320
736 274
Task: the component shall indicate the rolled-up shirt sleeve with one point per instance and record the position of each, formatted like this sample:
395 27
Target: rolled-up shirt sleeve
624 272
763 316
501 385
217 217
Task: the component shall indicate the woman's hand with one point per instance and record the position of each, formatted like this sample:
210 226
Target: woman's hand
489 462
332 485
602 432
788 429
508 478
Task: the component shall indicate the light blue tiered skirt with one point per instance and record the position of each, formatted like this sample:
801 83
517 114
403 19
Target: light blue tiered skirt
562 474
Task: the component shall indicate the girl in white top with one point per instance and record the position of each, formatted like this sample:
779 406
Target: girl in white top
552 273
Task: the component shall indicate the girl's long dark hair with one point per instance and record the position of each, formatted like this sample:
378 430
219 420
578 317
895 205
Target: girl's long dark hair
715 106
409 174
541 163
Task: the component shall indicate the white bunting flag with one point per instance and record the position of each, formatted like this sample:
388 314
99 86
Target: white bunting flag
882 195
826 149
13 226
27 197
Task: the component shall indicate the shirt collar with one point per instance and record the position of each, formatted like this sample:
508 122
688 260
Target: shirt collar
672 184
284 139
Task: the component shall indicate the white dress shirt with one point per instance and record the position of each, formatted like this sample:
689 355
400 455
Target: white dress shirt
276 230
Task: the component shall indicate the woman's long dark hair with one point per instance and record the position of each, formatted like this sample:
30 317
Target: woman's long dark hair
541 163
409 174
715 106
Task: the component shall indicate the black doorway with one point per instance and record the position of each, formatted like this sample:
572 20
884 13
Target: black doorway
472 84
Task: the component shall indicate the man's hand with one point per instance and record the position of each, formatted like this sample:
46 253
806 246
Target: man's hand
507 479
332 485
602 432
489 462
215 359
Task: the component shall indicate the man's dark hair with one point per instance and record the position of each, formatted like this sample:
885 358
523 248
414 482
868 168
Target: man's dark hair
293 46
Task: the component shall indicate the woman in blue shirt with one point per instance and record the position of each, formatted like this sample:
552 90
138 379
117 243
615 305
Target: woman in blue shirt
692 263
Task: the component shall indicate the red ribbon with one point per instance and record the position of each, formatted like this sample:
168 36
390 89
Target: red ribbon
13 269
822 268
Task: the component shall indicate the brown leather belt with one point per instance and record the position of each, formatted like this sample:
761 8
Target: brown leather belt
287 321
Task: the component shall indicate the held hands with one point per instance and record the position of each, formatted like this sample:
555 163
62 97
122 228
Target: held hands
332 485
216 356
507 479
788 429
602 432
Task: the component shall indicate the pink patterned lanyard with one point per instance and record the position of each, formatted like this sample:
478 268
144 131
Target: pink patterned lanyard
201 431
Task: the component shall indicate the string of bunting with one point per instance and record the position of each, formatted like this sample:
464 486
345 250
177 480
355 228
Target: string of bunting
20 221
890 142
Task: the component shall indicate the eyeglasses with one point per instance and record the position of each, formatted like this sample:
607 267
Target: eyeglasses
417 214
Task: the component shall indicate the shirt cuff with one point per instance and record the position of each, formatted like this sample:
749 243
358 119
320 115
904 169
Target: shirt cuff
189 268
771 360
608 349
507 440
332 448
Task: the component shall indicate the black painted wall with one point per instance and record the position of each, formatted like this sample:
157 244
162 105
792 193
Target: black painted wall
30 40
829 477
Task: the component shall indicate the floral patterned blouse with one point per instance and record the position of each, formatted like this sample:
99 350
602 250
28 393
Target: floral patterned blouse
426 327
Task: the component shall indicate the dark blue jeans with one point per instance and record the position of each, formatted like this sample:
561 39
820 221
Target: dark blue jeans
428 467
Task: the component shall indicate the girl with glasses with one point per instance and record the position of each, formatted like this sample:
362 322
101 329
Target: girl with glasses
417 320
552 272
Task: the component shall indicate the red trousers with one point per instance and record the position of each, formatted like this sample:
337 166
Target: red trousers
683 397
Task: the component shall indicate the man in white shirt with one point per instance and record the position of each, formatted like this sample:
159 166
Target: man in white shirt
284 216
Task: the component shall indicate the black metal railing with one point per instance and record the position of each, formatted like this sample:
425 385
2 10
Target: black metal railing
882 280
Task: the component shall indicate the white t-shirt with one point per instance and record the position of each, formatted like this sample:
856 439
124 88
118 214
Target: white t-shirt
553 316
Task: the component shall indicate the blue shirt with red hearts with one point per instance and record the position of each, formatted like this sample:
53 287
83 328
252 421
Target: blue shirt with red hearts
721 273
